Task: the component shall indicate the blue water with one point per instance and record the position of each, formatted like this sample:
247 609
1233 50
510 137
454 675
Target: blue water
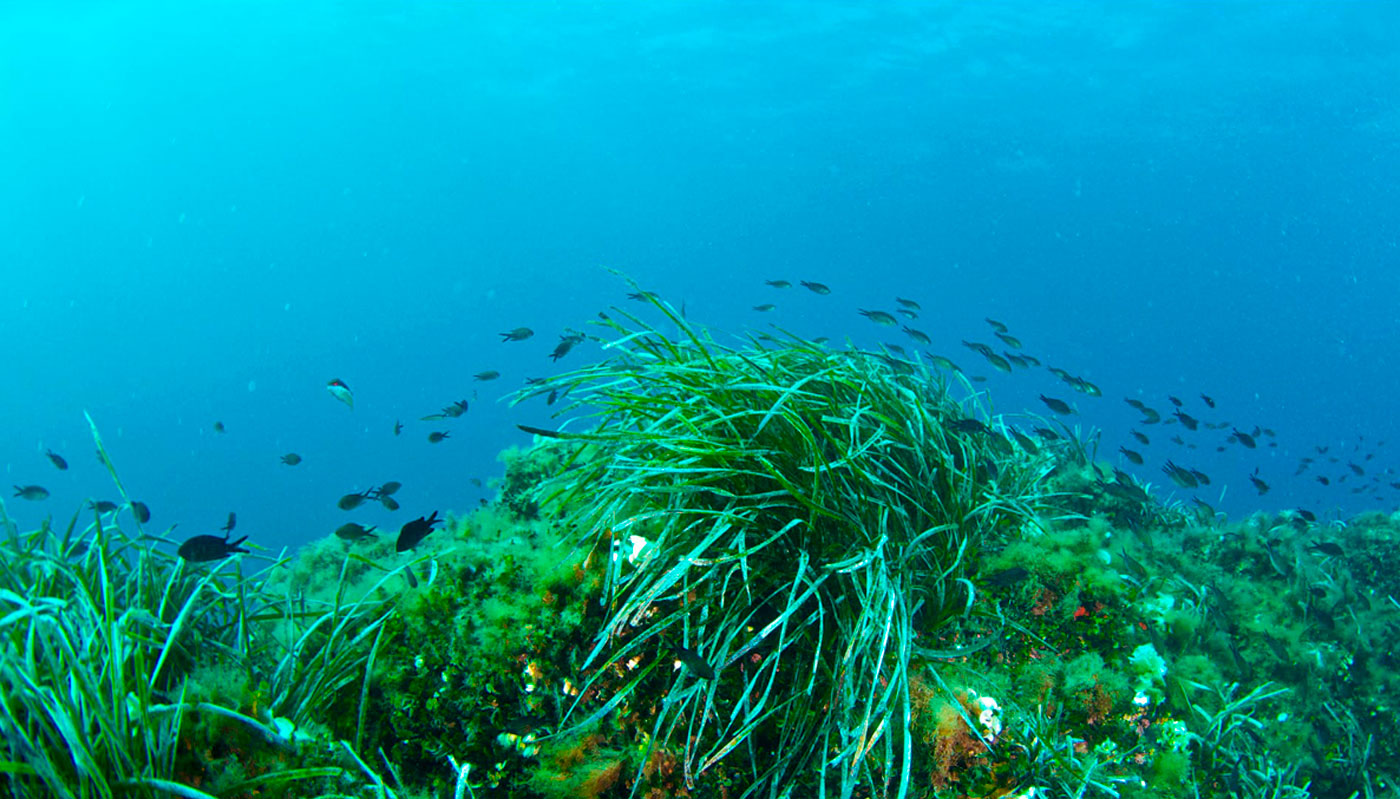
210 209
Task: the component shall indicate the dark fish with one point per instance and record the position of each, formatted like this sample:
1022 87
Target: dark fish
525 725
353 532
779 284
1188 422
1259 485
231 523
398 427
1150 416
693 660
1141 437
910 304
103 506
1135 403
410 576
1244 438
918 335
203 548
1027 443
997 326
1182 477
1130 455
944 363
1355 468
998 362
1201 477
390 488
643 296
980 348
58 461
517 334
816 288
1210 403
1016 360
1056 405
351 501
1307 515
141 512
1324 480
1174 400
35 493
1327 548
489 374
1008 577
389 503
907 313
879 317
563 347
455 410
291 459
219 427
1011 341
413 533
968 426
552 398
437 436
765 307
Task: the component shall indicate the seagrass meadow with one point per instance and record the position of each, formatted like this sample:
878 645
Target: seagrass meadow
749 567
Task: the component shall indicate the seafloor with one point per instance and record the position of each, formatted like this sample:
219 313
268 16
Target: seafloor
768 569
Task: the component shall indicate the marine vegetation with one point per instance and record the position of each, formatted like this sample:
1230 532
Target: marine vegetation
764 567
796 526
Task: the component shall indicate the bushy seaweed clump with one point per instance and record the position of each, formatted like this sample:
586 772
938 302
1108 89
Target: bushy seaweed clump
794 526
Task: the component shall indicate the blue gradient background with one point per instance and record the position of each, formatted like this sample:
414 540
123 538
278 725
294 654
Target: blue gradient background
209 209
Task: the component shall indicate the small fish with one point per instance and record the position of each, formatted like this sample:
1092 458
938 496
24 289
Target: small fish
231 523
437 436
354 532
1011 341
1008 577
1174 400
1182 477
944 363
204 548
643 296
517 334
455 410
489 374
1130 455
998 362
389 503
1259 485
910 304
398 427
693 660
140 511
1327 548
352 501
968 426
1056 405
879 317
552 398
997 326
1150 416
1355 468
1189 422
58 461
342 392
1306 515
779 284
34 493
1323 480
1244 438
219 427
102 506
413 533
566 343
918 335
816 288
1138 404
390 488
291 459
1141 437
765 307
905 312
1210 403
